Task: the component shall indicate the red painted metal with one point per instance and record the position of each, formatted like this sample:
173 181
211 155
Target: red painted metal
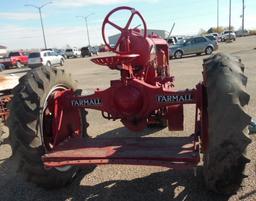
60 123
203 121
131 102
175 117
125 32
142 95
140 151
115 62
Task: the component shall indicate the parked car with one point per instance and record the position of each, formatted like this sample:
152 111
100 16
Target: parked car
226 34
15 59
172 40
57 51
241 33
61 53
88 51
44 58
103 48
217 36
193 45
211 38
72 52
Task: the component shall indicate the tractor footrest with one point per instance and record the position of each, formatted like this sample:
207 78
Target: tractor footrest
154 151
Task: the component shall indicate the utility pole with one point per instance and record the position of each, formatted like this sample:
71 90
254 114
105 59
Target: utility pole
86 24
229 26
243 17
171 31
41 19
218 16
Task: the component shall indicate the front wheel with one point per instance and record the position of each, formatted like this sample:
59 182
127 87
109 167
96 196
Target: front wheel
224 158
62 62
48 64
30 124
178 54
208 50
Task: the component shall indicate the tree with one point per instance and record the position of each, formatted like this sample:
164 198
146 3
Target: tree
231 28
214 29
202 32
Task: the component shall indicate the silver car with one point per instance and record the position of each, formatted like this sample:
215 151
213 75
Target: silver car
194 45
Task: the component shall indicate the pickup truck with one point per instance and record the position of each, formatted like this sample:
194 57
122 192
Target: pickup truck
14 59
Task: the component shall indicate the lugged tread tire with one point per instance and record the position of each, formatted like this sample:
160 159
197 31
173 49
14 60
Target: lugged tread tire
224 159
24 126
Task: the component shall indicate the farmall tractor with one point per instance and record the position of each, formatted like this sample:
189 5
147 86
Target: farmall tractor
48 124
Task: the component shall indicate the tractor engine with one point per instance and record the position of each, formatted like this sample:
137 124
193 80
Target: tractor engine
152 62
141 59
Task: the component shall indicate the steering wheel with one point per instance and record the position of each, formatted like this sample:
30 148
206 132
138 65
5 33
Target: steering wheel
125 32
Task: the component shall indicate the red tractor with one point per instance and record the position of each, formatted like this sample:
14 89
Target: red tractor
48 124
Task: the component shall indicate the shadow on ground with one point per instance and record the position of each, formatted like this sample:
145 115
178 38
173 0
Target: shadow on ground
124 132
176 185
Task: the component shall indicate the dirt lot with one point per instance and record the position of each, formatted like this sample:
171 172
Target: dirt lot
117 183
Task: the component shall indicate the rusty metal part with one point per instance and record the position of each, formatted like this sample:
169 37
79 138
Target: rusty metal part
4 112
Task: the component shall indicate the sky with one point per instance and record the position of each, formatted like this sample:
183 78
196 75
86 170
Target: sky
21 28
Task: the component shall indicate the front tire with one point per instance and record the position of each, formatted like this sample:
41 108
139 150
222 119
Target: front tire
48 64
224 159
25 125
208 50
62 62
178 54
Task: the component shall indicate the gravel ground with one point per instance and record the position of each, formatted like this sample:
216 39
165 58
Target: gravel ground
130 183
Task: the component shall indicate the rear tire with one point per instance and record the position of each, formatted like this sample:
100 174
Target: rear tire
208 50
224 159
62 62
178 54
25 129
48 64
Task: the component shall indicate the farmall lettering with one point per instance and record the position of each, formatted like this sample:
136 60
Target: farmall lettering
85 102
174 98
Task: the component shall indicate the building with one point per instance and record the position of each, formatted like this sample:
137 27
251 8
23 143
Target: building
3 51
162 33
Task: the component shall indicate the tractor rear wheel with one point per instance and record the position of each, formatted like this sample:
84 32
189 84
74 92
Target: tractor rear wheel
25 124
224 158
